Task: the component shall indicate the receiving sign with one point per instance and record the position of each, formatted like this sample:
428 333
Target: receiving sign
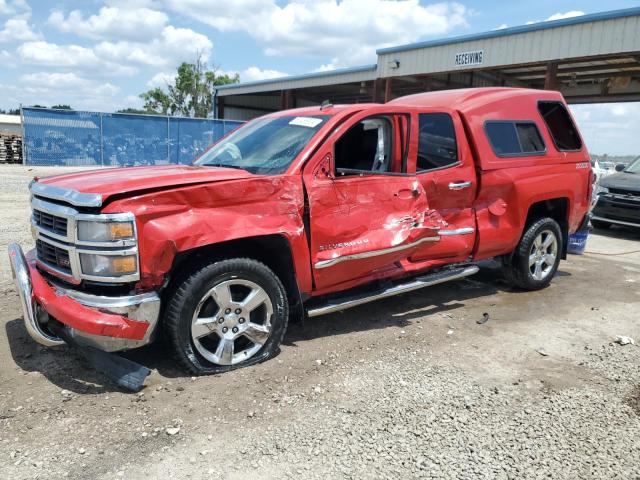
465 59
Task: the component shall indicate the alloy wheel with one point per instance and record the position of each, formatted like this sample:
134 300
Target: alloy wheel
232 322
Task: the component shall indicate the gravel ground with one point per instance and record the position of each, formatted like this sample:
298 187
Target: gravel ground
406 387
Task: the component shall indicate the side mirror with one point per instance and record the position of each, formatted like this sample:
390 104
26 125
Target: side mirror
620 167
325 168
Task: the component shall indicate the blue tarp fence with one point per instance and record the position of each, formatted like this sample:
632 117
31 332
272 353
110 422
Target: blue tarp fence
73 138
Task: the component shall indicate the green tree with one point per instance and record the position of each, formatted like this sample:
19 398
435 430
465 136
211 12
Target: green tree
62 107
191 94
156 100
138 111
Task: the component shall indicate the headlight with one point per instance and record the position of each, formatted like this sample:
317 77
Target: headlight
600 190
108 265
104 231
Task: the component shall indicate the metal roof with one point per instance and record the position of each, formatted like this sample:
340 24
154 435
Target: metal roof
502 32
11 119
339 75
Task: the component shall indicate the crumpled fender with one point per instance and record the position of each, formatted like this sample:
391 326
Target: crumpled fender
181 219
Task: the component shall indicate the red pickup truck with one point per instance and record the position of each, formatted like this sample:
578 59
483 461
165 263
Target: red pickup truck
304 212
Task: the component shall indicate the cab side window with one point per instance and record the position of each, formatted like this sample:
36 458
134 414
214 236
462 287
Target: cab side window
514 138
437 146
365 148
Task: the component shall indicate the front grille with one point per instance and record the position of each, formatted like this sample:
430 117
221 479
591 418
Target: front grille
52 223
53 256
617 191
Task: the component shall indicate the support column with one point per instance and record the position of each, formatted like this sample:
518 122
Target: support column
551 77
377 86
220 107
387 90
286 100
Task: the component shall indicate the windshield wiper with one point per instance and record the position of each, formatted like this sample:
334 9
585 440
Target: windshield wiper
224 165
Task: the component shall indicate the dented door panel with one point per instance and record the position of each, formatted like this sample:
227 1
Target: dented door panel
451 191
364 224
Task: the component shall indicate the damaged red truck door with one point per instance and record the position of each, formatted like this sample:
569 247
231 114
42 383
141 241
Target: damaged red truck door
301 213
366 211
444 165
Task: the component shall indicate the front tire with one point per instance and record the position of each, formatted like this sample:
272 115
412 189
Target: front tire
226 315
534 262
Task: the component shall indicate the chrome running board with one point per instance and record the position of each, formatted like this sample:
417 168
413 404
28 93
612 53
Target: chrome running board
417 283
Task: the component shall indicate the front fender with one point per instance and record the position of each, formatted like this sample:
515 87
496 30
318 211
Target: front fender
174 221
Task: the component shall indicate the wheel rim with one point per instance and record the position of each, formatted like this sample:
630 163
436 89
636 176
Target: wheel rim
543 254
232 322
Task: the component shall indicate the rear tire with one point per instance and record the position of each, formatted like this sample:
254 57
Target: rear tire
600 225
534 262
226 315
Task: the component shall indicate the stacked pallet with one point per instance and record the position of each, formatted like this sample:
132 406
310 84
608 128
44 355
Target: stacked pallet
10 148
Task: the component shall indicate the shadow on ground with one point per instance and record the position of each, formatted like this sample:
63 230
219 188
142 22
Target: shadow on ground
68 370
620 232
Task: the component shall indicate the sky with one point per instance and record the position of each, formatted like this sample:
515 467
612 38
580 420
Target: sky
100 55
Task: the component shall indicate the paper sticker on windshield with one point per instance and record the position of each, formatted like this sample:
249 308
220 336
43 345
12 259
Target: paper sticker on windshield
308 122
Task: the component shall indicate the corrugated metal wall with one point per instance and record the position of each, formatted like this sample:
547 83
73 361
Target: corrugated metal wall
570 41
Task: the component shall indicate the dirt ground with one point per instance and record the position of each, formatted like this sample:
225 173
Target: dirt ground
410 386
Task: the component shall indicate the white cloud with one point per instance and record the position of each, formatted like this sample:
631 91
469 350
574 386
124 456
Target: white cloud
70 56
13 7
608 127
45 53
252 74
18 30
569 14
112 22
46 88
349 30
161 79
133 101
327 67
502 26
618 110
175 45
558 16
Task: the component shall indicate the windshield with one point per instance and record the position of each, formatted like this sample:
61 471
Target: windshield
633 167
264 146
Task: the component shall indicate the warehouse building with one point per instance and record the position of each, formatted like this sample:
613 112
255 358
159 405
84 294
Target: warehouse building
591 58
10 124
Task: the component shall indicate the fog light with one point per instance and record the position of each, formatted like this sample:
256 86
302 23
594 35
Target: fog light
108 265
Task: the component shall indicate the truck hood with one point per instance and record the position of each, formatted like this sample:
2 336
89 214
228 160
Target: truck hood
622 181
108 182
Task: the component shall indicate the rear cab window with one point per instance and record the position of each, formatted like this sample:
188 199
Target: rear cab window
510 138
561 128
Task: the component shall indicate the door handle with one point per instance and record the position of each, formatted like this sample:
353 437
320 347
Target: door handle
407 193
459 185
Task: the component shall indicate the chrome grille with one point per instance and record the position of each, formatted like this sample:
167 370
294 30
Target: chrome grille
52 223
53 256
630 193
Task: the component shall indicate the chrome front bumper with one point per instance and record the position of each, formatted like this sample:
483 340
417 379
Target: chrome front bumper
139 308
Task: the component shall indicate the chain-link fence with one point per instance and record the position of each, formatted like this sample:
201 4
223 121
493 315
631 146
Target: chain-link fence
71 137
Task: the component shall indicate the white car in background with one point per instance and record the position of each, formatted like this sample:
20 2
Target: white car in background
598 170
